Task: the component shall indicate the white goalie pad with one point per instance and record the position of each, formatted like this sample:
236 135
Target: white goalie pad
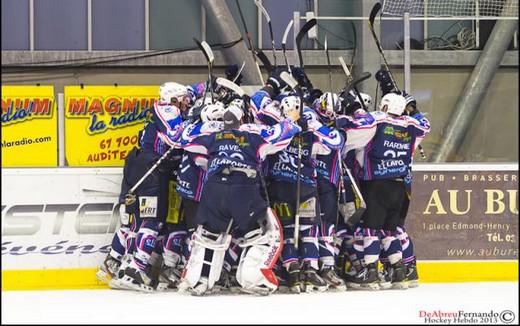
262 247
203 240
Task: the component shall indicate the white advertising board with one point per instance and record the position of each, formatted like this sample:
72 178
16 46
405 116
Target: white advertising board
58 218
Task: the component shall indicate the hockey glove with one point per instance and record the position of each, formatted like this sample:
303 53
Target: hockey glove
303 123
275 82
383 77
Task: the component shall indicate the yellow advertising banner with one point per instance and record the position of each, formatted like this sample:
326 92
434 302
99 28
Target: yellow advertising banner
29 127
102 123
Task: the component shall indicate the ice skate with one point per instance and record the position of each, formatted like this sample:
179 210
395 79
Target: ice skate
366 279
334 282
108 269
311 280
294 283
398 275
412 277
136 279
169 278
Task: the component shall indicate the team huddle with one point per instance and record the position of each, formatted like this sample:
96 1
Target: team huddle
291 190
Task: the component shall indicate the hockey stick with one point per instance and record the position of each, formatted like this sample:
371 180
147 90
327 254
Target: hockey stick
303 31
284 42
350 79
230 85
265 61
210 58
239 72
258 3
371 18
341 191
329 68
130 196
354 218
293 84
238 90
248 36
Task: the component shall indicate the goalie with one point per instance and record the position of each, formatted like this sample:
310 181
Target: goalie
232 200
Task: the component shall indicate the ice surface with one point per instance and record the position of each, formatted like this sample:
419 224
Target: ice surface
388 307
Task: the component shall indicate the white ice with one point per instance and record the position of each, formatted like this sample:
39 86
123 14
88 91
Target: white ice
359 307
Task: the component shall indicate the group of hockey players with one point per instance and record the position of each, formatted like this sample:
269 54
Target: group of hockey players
260 194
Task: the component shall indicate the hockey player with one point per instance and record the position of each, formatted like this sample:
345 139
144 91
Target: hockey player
282 178
232 200
328 168
150 201
390 140
409 259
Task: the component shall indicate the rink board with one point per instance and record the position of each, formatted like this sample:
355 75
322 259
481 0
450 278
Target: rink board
57 224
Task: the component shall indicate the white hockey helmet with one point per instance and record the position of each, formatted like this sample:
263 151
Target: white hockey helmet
233 114
329 104
394 103
170 90
290 103
367 99
212 112
238 102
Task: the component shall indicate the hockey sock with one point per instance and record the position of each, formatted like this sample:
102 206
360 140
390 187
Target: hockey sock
309 244
354 245
370 245
289 254
119 242
145 242
173 246
406 244
326 243
391 246
232 255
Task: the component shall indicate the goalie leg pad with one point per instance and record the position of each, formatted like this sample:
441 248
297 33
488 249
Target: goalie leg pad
262 248
205 244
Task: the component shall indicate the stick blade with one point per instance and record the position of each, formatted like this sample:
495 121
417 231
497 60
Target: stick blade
373 13
286 77
354 219
264 11
208 52
305 28
364 76
286 33
226 83
345 68
263 58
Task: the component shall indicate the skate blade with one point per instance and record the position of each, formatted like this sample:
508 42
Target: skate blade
115 284
235 289
361 287
385 285
165 287
337 288
413 284
309 288
103 276
400 285
282 289
127 282
295 289
370 287
259 292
